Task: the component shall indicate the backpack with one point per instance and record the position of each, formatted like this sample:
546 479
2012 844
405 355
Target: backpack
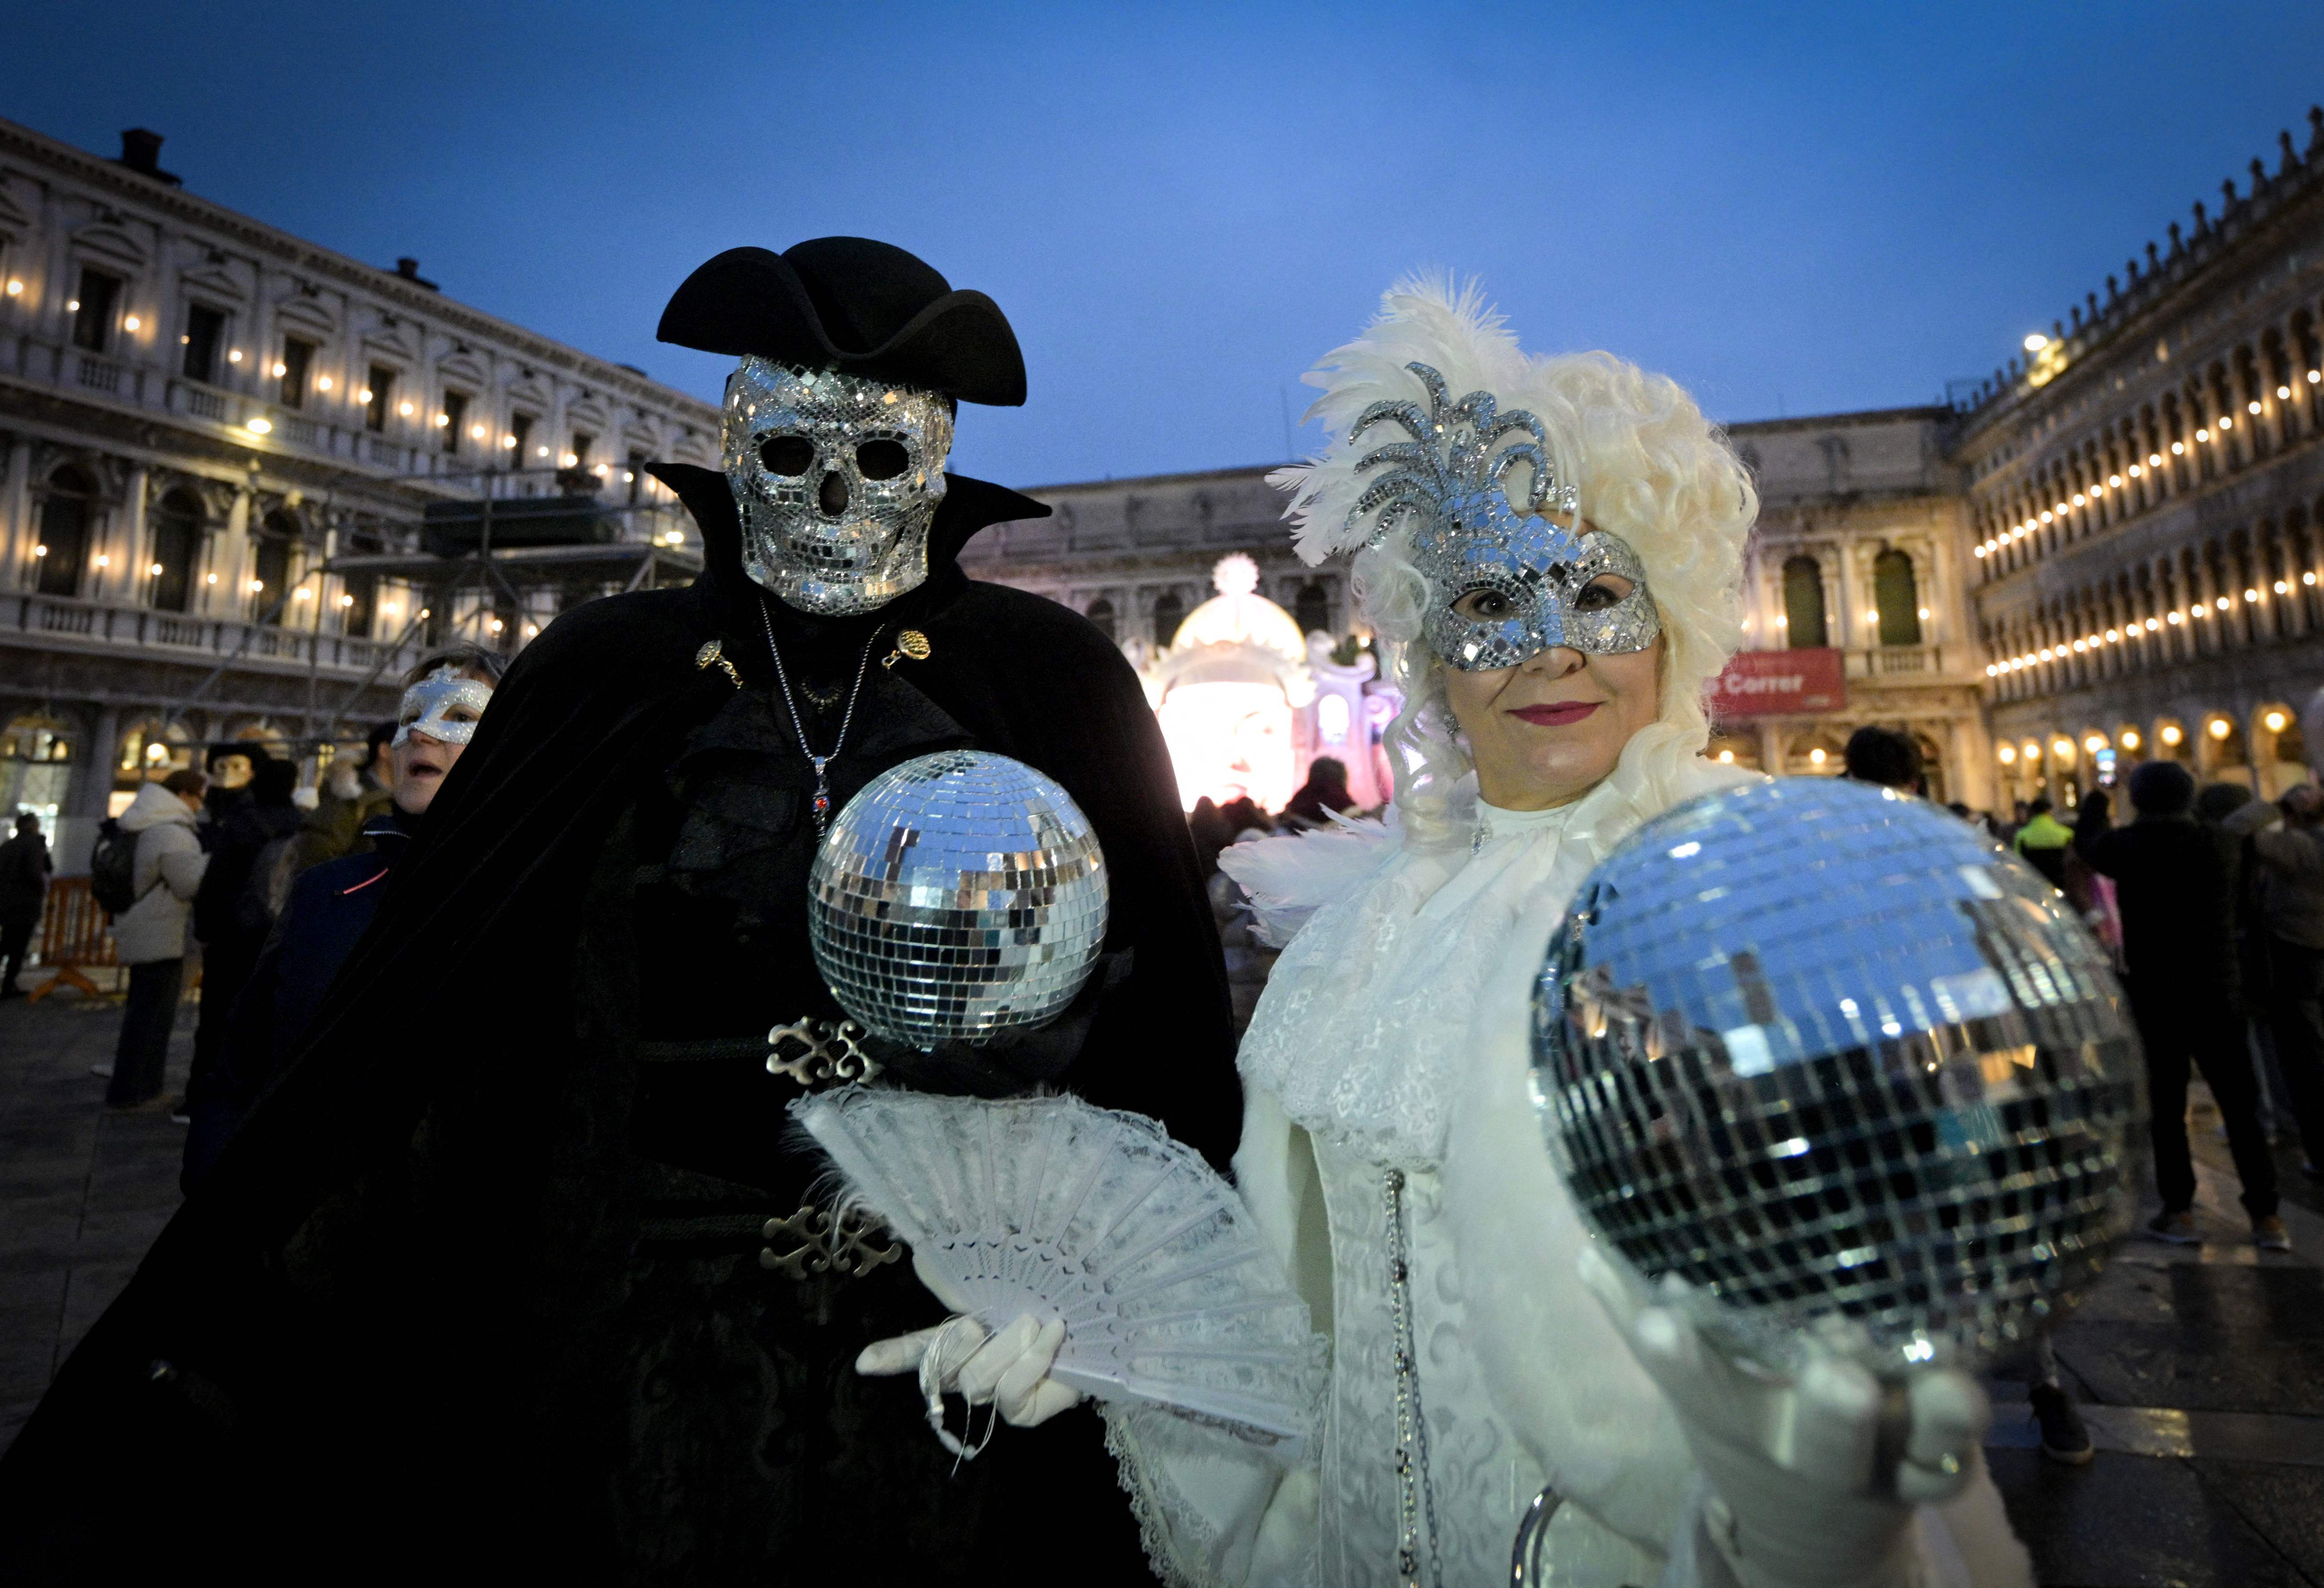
112 868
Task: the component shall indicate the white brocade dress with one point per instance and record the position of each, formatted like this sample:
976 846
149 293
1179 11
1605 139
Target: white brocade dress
1359 1039
1390 1047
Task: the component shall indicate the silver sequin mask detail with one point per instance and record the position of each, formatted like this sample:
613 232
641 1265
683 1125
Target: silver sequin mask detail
838 479
427 705
1467 537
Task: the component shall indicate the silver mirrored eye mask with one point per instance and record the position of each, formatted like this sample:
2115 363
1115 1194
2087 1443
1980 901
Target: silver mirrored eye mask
836 478
1467 536
425 703
1543 571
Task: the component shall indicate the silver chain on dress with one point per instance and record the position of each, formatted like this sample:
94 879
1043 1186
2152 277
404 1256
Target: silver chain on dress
798 724
1417 1500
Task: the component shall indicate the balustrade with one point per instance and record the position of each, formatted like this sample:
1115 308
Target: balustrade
125 627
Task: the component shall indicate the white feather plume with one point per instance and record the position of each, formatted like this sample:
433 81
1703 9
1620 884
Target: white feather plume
1287 879
1425 319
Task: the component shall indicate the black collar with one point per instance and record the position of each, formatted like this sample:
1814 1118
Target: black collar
734 602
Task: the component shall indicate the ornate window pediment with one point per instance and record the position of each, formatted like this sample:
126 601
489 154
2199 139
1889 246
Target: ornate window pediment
108 474
13 216
394 343
111 245
212 281
217 496
298 312
461 370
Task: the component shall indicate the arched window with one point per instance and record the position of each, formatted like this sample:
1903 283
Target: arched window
177 539
151 750
63 545
1803 624
1313 608
270 571
1169 611
1897 595
1101 612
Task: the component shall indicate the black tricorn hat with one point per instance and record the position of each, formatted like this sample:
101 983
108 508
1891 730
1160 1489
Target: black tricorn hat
853 305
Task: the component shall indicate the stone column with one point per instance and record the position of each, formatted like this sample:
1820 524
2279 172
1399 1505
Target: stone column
88 792
1969 748
228 556
2294 599
129 545
17 510
1771 749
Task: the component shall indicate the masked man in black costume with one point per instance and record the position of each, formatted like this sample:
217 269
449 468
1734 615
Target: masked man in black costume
515 1266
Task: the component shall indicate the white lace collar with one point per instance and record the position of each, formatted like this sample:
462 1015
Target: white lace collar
1494 823
1365 1020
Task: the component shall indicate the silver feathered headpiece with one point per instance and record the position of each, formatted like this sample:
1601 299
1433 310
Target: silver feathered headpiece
1506 579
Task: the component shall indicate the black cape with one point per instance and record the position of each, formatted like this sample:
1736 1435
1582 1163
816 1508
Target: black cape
417 1314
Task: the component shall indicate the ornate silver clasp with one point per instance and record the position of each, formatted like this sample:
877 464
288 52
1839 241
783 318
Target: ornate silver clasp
819 1052
844 1243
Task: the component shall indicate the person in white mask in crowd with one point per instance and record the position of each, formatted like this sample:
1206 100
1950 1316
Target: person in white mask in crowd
330 906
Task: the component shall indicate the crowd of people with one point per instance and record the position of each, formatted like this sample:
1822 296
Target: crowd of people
223 867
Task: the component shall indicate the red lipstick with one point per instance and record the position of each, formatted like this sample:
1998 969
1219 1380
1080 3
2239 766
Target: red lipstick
1557 715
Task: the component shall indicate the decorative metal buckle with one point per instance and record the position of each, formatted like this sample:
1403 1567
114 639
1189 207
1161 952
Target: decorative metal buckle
844 1245
820 1052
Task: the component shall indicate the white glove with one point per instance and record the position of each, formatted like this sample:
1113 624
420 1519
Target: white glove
1009 1369
1799 1500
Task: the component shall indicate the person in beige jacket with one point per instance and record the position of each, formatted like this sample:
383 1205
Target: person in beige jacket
150 937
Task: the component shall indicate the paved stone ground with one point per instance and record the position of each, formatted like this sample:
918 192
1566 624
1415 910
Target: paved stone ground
83 1190
2201 1369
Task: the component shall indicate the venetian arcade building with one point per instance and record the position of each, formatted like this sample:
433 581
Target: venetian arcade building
220 446
1856 600
2144 497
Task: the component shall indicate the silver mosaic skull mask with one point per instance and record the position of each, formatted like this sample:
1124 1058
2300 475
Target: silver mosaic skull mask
838 479
1527 582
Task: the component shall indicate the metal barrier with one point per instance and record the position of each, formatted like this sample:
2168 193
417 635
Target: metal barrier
76 937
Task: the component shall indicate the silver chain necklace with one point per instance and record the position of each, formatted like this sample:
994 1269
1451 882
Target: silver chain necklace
798 724
1416 1497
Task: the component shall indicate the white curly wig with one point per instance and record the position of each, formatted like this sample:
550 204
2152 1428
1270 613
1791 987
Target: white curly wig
1649 468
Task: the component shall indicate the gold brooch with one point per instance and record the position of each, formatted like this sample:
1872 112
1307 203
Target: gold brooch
710 656
910 644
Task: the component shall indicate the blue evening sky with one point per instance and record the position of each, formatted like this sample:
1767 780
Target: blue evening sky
1792 210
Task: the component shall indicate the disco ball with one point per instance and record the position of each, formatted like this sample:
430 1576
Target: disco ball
959 896
1829 1055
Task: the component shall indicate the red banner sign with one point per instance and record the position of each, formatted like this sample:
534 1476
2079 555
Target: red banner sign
1779 683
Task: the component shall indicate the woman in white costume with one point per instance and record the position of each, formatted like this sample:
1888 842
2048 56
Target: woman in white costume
1549 550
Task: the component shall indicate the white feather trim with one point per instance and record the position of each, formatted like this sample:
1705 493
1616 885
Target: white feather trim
1289 879
1423 319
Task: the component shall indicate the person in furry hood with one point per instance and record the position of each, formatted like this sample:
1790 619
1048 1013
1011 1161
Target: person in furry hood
1550 550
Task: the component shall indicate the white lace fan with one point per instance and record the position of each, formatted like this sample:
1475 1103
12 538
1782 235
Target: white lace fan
1051 1206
